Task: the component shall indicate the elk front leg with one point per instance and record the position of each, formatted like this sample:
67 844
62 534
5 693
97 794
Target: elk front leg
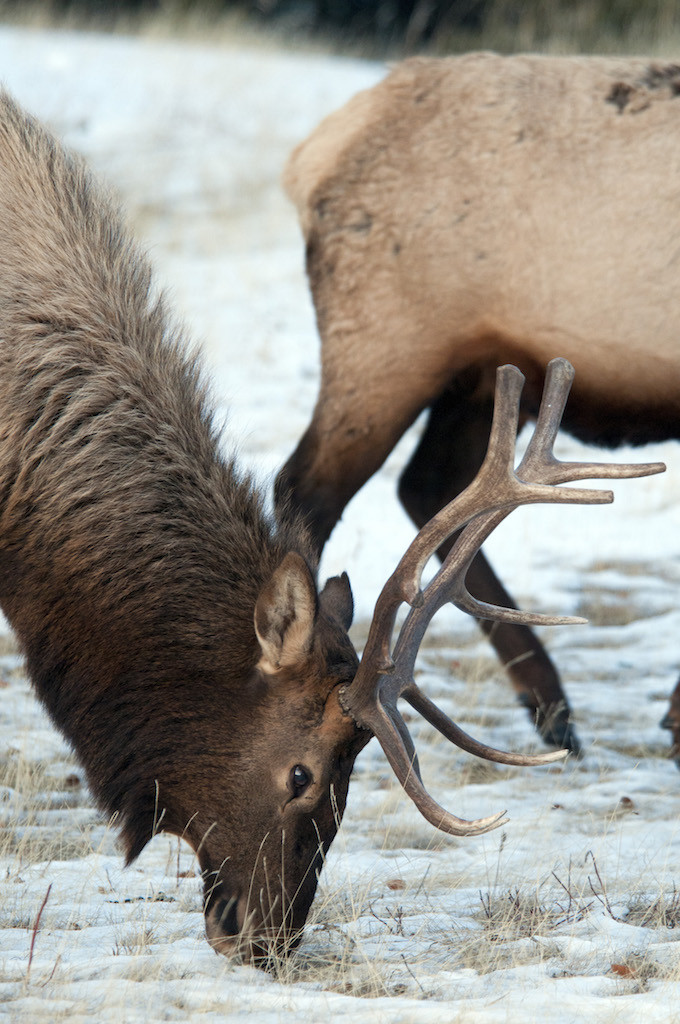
449 454
359 417
671 721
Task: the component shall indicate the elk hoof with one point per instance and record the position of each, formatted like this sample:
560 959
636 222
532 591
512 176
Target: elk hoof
670 721
562 735
553 725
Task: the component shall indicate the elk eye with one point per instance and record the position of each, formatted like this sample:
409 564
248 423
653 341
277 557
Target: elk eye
299 780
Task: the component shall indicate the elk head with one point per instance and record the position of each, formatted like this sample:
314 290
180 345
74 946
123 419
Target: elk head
322 706
289 785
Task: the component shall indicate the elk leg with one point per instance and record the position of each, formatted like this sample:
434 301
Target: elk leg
358 419
317 483
448 455
671 721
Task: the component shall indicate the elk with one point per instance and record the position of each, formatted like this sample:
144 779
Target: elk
172 629
474 210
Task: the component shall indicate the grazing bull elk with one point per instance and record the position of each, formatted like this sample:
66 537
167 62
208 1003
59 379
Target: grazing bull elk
472 210
173 632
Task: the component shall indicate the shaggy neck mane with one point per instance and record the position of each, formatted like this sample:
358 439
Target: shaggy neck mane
158 547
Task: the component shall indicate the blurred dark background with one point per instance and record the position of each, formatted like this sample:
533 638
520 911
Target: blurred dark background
384 27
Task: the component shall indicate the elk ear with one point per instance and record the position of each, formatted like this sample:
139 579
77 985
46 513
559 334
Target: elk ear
285 613
336 599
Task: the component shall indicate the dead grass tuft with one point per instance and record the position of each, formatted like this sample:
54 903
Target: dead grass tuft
655 912
137 941
635 973
32 796
481 772
513 915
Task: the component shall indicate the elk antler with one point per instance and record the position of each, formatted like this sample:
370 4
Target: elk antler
385 674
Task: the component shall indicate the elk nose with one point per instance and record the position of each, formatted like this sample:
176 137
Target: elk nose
227 936
222 926
225 917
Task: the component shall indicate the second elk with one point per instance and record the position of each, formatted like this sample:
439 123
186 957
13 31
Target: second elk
471 211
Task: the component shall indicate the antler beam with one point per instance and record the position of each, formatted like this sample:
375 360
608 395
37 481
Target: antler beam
386 672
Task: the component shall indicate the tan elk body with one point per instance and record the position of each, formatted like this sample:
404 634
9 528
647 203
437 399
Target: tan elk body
174 631
471 211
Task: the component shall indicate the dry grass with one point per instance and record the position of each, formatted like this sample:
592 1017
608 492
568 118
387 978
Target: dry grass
636 971
32 796
662 911
136 941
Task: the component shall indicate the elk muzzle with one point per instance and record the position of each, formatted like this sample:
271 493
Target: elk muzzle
230 933
257 928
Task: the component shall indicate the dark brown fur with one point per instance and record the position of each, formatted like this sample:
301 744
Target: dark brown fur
133 556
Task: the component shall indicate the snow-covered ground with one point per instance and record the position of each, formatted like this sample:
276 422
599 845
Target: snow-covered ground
569 912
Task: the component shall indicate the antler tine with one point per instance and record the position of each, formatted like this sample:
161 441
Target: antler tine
404 583
436 717
541 467
539 462
496 477
449 583
389 727
382 677
497 469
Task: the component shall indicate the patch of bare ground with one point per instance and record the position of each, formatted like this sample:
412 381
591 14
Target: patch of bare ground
656 569
482 772
645 751
603 606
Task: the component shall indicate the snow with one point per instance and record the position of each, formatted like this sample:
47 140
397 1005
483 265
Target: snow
557 917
